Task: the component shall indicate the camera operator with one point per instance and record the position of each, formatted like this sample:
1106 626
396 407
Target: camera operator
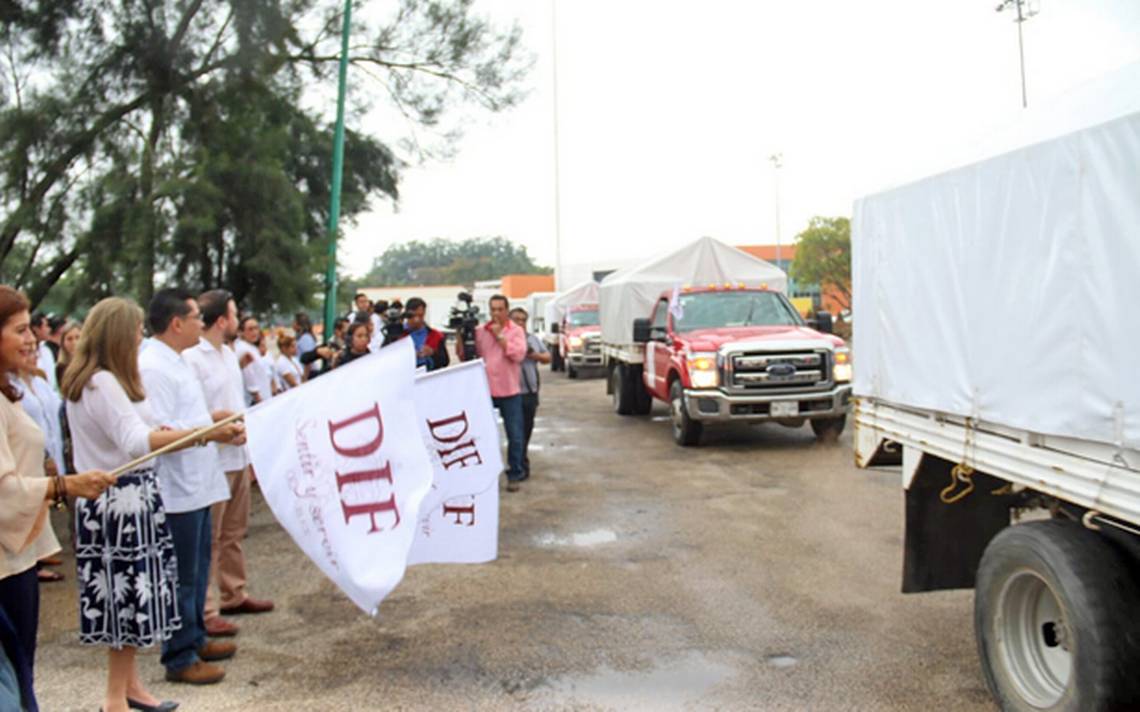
393 323
376 324
431 345
502 346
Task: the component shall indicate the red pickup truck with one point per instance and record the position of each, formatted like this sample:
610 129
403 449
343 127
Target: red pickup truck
721 354
580 339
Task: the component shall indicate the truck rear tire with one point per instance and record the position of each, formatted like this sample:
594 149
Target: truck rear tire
1054 619
686 432
620 392
828 429
642 400
571 372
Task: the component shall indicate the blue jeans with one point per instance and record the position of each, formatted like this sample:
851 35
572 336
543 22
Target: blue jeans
511 408
192 534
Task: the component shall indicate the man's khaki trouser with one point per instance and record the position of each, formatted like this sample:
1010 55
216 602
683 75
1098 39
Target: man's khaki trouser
227 561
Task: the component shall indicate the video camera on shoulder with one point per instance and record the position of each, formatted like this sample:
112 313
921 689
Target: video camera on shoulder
393 318
465 319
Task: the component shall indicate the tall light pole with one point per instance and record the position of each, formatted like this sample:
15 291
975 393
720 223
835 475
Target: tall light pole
1025 10
557 169
777 160
337 172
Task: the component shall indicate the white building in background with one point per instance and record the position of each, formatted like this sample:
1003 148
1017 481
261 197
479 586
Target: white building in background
440 299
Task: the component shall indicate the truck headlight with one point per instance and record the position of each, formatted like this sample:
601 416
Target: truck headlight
702 371
843 369
575 343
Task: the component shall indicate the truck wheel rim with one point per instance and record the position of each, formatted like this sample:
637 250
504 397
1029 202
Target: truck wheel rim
678 409
1034 640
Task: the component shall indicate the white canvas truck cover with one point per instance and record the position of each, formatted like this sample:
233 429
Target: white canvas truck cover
582 293
1007 290
630 293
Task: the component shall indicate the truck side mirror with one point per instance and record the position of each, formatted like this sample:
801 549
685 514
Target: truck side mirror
554 328
641 331
823 322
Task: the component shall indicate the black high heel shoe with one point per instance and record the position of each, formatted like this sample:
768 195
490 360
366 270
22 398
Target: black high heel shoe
164 706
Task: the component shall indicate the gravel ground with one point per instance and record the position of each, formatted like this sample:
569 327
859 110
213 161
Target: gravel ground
760 571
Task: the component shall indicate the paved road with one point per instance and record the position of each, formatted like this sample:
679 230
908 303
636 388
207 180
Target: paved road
760 571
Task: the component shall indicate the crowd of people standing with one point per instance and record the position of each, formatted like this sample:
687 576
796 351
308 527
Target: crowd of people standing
158 540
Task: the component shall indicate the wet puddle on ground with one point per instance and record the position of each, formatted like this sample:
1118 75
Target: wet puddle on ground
670 685
580 539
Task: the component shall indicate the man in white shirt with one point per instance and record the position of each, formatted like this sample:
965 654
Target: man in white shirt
253 376
217 368
191 480
47 348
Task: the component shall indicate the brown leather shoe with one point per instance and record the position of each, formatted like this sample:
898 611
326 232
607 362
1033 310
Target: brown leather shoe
249 605
219 627
200 673
215 650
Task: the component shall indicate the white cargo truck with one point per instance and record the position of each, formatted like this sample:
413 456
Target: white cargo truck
995 360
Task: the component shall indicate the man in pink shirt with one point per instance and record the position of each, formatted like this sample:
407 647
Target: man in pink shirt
502 346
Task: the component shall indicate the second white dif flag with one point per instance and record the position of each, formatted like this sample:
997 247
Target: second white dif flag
355 463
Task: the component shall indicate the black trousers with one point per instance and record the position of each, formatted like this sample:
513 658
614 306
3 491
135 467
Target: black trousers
530 407
19 619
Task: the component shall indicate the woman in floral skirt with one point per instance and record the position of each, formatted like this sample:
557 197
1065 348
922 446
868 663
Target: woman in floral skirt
124 553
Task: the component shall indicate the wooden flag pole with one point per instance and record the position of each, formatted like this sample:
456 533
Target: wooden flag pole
177 444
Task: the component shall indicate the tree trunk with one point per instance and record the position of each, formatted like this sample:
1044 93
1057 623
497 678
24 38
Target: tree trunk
148 237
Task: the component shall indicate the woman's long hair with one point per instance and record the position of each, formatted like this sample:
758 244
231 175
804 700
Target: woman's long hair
12 302
108 342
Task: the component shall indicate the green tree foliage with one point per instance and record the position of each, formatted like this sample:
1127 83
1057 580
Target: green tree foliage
146 141
440 261
823 256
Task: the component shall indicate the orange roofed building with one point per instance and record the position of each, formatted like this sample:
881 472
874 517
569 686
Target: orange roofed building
828 299
517 286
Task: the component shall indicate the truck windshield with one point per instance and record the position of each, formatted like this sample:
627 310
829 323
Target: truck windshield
713 310
583 318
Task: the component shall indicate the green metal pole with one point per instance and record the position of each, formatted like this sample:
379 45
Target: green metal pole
337 170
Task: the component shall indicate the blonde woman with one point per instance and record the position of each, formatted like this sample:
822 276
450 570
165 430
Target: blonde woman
286 368
124 552
68 340
25 532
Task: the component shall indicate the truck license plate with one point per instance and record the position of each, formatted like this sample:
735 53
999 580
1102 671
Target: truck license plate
784 409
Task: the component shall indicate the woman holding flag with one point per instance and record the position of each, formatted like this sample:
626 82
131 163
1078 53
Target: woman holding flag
124 552
25 531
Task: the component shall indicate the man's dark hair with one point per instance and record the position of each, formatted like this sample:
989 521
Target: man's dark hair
164 306
415 303
55 323
38 319
214 305
518 310
301 319
499 297
245 320
379 306
339 322
359 295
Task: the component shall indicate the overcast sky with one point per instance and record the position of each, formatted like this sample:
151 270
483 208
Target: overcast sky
669 110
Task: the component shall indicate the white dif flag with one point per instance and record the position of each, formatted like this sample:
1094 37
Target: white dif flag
459 521
345 471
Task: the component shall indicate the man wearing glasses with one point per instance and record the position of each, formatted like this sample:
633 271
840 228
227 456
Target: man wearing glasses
536 353
191 480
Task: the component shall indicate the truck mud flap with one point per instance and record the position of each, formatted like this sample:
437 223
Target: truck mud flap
945 542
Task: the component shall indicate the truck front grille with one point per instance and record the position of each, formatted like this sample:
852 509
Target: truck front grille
798 369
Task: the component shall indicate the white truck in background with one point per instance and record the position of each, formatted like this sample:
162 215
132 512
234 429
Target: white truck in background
996 352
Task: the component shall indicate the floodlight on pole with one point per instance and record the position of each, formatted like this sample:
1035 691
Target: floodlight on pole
777 160
337 173
1025 10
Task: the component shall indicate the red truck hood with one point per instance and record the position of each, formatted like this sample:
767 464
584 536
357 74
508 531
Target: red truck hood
713 339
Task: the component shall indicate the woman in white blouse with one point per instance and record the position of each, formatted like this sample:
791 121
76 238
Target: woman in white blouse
25 531
124 553
288 371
